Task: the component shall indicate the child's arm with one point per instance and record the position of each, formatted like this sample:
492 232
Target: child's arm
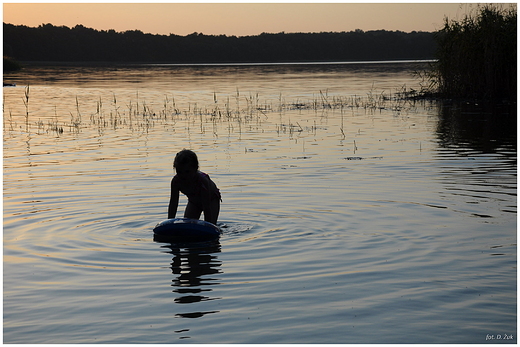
174 201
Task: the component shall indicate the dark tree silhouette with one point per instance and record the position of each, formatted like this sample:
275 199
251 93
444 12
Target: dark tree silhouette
80 44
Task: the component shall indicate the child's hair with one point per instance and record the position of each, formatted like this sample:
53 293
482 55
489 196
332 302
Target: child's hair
186 157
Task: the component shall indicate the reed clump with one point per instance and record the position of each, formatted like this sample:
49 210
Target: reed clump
243 114
477 55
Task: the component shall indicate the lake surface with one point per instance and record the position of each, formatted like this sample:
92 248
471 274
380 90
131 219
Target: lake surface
349 215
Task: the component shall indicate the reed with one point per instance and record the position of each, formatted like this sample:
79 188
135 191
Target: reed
26 104
324 100
53 125
341 126
247 113
477 55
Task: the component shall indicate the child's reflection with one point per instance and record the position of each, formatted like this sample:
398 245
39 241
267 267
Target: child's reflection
192 267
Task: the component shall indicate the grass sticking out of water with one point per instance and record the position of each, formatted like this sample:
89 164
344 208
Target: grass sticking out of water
247 112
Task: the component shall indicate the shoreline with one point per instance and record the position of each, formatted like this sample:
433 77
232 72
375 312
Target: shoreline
164 64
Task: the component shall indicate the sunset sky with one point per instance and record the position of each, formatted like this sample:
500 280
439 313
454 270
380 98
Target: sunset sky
238 19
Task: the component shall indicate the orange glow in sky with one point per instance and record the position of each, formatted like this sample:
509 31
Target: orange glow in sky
238 19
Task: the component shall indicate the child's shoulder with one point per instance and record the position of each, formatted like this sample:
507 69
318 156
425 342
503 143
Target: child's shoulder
203 174
175 180
205 177
205 180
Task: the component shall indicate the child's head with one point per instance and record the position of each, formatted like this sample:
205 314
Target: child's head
186 161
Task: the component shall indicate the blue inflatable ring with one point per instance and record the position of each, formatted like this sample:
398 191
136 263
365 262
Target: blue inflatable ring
186 230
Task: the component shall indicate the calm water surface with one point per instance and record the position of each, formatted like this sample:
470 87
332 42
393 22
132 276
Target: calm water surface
349 216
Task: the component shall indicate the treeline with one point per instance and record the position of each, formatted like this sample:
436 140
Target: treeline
80 44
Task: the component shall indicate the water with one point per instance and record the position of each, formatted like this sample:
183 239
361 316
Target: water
350 216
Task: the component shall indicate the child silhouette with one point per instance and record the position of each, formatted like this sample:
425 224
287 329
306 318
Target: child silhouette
203 194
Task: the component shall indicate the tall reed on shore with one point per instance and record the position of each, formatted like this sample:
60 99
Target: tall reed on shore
477 55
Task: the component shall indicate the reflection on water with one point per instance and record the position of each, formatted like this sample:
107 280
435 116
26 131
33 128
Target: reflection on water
483 127
193 267
478 152
352 216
